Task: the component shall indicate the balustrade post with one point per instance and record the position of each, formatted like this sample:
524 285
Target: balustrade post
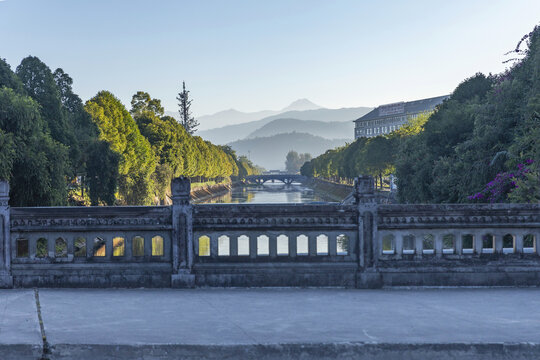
368 275
6 280
182 234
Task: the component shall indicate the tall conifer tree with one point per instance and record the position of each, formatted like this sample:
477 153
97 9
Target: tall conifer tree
186 119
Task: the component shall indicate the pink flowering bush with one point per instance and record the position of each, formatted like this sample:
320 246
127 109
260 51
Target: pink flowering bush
497 190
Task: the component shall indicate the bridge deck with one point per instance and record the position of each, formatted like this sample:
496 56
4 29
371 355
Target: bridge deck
273 323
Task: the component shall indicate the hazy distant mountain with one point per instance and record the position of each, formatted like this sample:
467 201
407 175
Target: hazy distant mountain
230 133
323 114
233 117
226 134
301 105
270 152
327 130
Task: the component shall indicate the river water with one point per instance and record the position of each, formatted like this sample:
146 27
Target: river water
269 193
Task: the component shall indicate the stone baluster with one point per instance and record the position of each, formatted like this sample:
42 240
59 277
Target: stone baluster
438 246
234 244
419 246
293 244
332 244
6 280
478 243
498 242
213 246
518 243
182 234
272 245
399 245
253 242
459 244
312 243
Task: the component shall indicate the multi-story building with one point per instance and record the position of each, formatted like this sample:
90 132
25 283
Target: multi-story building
387 118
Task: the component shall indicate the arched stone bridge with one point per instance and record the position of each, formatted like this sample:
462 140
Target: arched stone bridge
284 178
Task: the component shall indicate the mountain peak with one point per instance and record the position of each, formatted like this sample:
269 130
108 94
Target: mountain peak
302 104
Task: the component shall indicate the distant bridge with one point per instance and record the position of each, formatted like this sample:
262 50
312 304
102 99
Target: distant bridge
284 178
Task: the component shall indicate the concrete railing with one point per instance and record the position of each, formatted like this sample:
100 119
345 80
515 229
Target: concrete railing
365 244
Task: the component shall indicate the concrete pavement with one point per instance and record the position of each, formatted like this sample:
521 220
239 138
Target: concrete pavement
502 323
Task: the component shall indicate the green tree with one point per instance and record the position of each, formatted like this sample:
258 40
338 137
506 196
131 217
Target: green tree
102 173
137 161
142 102
294 161
30 159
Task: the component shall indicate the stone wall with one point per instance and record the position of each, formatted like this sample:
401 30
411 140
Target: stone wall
363 244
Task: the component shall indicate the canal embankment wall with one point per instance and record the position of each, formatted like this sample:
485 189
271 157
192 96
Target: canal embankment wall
202 193
333 191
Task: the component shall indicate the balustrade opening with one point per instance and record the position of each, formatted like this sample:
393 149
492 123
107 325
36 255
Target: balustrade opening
118 246
204 245
99 248
42 248
467 242
283 245
408 244
342 244
488 244
322 244
428 244
224 246
79 247
243 245
388 244
449 244
137 246
22 248
302 247
263 247
157 246
508 244
529 244
60 248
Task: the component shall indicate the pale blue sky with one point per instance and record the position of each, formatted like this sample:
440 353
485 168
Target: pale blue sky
255 55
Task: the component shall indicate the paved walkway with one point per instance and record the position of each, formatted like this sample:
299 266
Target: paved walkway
271 323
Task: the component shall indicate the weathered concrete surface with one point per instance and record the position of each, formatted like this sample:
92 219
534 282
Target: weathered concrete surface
293 323
20 336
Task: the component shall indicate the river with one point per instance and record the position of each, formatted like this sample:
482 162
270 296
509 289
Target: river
269 193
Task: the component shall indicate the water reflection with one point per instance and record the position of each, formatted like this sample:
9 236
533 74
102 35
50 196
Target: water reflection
269 193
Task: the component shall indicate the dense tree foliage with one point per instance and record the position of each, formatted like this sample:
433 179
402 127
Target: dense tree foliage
481 134
294 161
374 156
481 144
176 151
55 150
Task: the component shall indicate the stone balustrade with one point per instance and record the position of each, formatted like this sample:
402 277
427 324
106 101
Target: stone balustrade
364 245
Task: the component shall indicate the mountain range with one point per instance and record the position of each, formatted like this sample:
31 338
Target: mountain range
229 133
233 117
267 136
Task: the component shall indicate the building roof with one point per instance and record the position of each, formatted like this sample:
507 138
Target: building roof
406 108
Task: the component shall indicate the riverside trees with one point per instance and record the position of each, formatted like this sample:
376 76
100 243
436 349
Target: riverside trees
478 138
52 144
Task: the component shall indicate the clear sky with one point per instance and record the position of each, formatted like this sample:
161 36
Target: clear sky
255 55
